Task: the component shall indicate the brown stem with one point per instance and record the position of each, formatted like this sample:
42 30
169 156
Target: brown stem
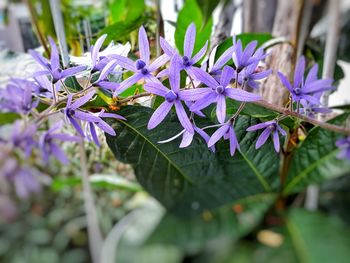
285 111
145 94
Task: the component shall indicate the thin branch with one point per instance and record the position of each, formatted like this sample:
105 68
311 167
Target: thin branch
145 94
285 111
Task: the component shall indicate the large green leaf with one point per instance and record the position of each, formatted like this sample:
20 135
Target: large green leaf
126 10
315 160
191 12
207 8
245 38
228 222
193 179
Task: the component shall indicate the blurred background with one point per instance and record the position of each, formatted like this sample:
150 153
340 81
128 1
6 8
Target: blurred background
51 227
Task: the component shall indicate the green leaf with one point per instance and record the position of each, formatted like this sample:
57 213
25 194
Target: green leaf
126 10
315 160
8 117
190 180
245 38
250 109
231 222
120 31
72 84
207 8
318 238
191 12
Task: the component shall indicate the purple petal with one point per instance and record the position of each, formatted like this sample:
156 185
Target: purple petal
223 59
241 95
163 73
226 76
285 81
143 45
190 38
156 88
299 72
106 70
105 127
127 83
193 94
54 58
276 141
312 75
41 73
260 126
149 78
200 53
59 154
82 100
311 99
261 75
40 59
167 48
183 118
221 108
94 134
124 62
204 102
86 116
174 73
281 130
111 115
72 71
158 62
318 85
96 49
204 77
187 138
218 134
233 141
237 55
76 126
248 51
159 114
262 138
108 85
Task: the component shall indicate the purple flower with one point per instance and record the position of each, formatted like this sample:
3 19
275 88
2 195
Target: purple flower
216 91
74 114
142 67
215 70
271 127
97 62
312 110
17 97
309 89
102 125
48 145
23 137
172 98
244 57
250 75
226 131
187 60
344 145
53 67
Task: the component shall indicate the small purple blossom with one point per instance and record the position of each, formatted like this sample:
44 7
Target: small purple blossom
172 97
227 132
187 61
344 146
17 97
250 75
53 67
216 91
270 127
141 67
48 144
23 137
309 90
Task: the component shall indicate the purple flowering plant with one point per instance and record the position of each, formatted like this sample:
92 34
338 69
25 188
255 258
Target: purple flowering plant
219 112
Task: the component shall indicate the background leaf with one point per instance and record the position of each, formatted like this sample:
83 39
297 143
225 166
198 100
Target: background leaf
315 160
191 12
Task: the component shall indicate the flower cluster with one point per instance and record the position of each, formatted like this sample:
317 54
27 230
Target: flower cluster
235 72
